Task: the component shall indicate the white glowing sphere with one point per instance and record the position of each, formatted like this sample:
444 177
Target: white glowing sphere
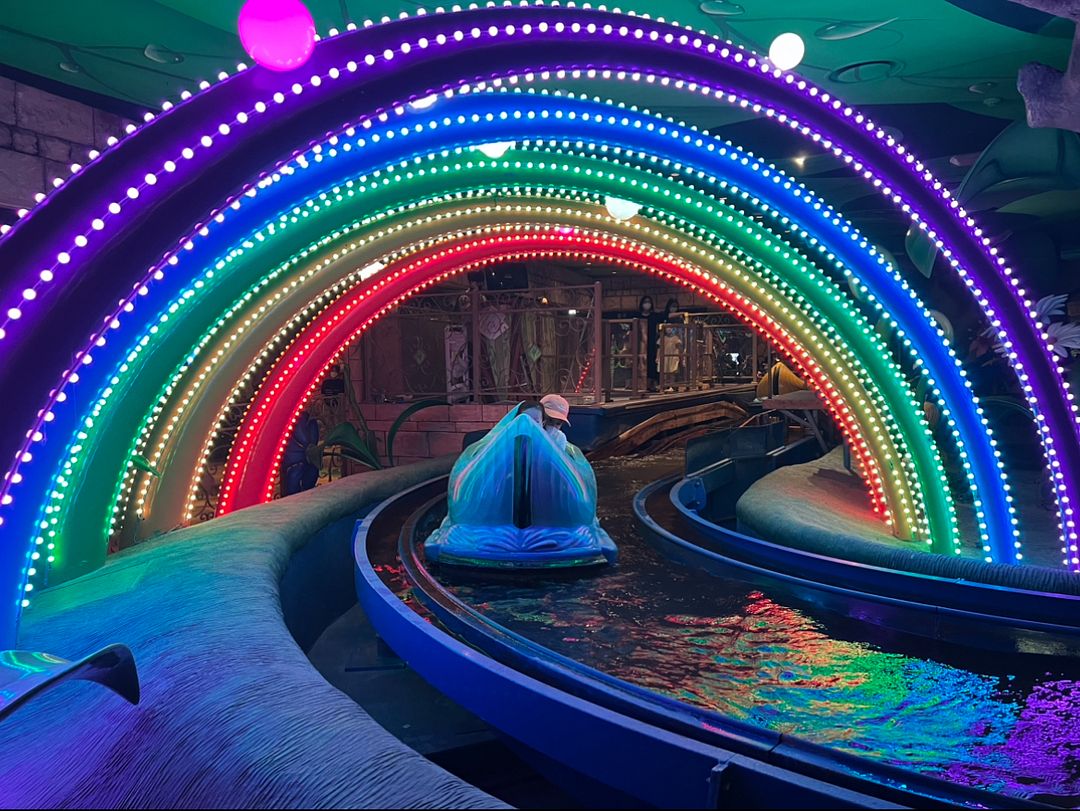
621 209
496 149
787 51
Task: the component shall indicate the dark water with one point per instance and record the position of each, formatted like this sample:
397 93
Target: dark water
1006 723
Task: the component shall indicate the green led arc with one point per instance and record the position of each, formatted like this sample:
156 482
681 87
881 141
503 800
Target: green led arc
326 272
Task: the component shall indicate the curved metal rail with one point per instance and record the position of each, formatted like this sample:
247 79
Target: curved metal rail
903 600
604 730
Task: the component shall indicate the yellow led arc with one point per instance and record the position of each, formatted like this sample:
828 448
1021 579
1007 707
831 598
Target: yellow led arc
253 373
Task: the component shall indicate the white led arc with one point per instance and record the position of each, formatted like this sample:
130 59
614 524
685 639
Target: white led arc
356 262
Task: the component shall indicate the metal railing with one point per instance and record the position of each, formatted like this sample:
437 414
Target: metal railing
477 346
699 351
488 346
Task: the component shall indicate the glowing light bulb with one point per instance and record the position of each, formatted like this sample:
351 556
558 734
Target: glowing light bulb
621 209
278 34
369 271
496 149
787 51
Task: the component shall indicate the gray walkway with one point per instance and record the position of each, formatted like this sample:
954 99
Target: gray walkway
349 656
233 713
822 508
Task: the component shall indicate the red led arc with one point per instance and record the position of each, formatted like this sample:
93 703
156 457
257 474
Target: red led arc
254 465
384 295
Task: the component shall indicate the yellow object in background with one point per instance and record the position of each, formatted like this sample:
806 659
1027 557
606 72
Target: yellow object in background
779 380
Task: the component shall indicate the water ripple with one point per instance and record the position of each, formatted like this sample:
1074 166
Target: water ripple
730 647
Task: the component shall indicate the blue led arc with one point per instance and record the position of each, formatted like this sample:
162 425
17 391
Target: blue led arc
324 175
496 121
237 283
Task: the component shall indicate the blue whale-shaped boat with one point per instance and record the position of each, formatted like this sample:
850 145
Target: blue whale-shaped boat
516 501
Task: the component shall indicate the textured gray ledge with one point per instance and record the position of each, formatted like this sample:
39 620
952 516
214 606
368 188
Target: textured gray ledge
821 508
232 714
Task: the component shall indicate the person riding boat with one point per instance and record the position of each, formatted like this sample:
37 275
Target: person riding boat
522 497
556 417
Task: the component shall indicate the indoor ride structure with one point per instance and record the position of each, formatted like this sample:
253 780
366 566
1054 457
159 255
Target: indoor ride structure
244 235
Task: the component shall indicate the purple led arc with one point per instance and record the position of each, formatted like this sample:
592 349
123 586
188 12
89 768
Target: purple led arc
31 244
670 35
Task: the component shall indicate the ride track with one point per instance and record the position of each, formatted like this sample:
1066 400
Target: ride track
599 727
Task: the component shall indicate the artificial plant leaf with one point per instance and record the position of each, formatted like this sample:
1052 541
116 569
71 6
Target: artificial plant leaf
920 250
345 436
420 405
352 455
1019 162
143 464
1006 403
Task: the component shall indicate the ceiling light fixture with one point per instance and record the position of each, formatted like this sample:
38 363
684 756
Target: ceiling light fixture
621 209
496 149
787 51
278 34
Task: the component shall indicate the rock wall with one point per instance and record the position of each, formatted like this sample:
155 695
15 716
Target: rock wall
433 432
41 135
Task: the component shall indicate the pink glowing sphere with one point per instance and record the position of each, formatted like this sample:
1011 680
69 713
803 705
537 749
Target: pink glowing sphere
277 34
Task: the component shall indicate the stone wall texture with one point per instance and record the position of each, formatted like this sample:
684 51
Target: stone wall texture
432 432
41 135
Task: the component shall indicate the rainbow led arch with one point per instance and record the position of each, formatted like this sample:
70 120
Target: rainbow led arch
944 536
109 252
442 179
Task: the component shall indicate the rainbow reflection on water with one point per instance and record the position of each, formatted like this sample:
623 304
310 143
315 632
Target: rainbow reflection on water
1006 723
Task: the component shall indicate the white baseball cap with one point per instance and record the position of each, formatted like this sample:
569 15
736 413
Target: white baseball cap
556 407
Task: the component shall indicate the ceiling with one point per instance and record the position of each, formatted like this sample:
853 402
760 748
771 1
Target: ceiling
888 51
